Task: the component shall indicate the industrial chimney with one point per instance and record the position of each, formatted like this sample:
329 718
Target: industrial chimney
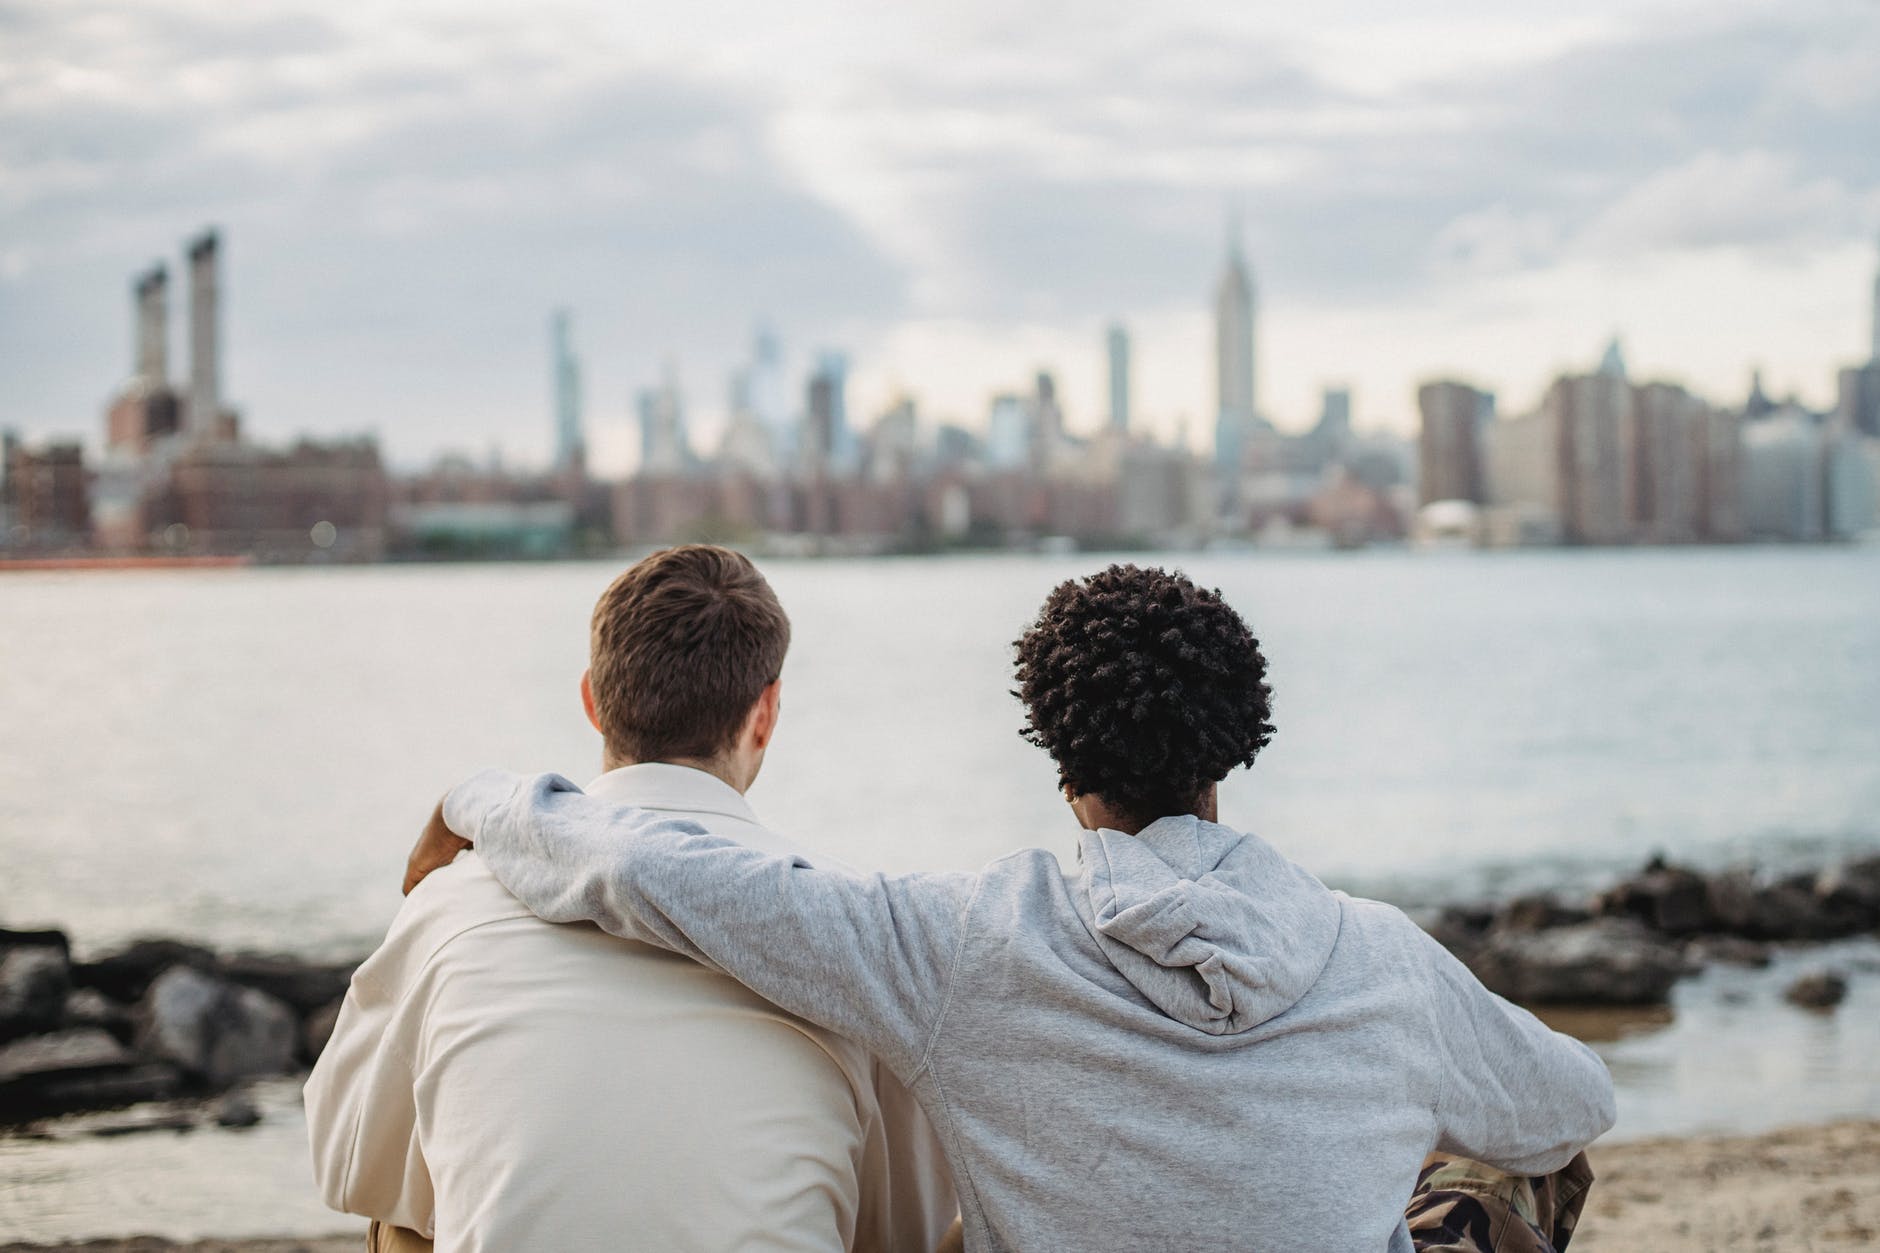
153 325
205 384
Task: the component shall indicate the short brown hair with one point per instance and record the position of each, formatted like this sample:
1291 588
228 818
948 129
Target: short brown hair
682 645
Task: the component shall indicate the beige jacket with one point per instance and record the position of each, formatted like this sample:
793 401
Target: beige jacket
502 1083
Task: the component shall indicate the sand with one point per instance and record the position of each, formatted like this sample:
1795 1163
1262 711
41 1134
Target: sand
1809 1188
1797 1191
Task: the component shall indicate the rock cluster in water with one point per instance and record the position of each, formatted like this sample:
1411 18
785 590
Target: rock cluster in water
1629 944
159 1019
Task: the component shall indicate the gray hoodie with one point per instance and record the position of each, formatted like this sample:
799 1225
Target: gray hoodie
1186 1042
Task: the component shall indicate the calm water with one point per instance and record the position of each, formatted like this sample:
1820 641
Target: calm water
245 756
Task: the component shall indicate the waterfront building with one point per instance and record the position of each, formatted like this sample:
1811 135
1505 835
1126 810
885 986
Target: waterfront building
1595 418
146 408
1857 398
1526 496
1784 480
1873 349
1673 446
664 449
570 446
1449 441
45 495
1117 343
1235 365
828 443
767 391
1009 432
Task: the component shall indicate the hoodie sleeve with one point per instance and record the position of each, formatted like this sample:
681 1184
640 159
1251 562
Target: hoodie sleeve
869 957
1511 1092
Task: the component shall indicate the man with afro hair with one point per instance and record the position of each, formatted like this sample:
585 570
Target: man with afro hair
1186 1041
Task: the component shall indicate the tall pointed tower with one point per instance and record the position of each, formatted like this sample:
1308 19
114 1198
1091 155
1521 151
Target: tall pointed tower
1873 355
1234 373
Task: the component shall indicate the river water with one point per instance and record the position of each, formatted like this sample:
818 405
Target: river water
244 757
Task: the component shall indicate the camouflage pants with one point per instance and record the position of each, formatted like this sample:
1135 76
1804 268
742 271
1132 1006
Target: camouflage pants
1461 1206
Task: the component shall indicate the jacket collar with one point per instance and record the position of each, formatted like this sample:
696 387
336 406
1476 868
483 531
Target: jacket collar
659 785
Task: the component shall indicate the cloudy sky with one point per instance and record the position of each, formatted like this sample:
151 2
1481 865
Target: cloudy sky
955 192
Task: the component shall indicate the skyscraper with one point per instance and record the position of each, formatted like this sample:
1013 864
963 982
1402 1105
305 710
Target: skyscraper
1234 364
570 448
1119 379
664 449
205 367
1873 351
828 439
1449 447
766 390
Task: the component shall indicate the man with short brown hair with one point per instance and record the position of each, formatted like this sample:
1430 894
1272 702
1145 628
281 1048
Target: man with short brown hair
504 1083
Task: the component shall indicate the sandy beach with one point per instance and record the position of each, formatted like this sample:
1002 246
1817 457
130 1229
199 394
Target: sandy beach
1806 1188
1800 1189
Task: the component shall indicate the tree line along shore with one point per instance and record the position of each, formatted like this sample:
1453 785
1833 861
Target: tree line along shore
162 1019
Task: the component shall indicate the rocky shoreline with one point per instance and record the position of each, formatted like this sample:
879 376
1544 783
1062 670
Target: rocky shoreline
156 1020
1630 944
162 1019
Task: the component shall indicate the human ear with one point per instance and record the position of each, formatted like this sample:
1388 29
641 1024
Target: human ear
764 715
587 701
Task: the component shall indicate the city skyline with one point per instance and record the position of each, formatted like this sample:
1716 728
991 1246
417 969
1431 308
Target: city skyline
954 197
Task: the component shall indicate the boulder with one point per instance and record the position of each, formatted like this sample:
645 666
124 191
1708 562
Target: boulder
1849 894
1664 897
1606 961
34 979
1742 903
317 1031
47 938
86 1048
88 1007
83 1068
304 985
107 1089
127 974
1536 912
215 1031
236 1110
1459 928
1818 989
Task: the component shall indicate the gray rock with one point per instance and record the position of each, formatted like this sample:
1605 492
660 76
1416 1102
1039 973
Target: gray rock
127 974
304 985
105 1089
318 1030
34 979
1536 912
83 1068
1741 903
1818 989
1850 894
1666 898
215 1031
236 1110
88 1007
45 938
86 1048
1459 929
1607 961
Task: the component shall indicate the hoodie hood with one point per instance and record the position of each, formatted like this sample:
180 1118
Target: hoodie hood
1216 928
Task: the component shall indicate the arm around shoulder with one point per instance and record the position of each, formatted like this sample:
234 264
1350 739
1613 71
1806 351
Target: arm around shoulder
870 957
